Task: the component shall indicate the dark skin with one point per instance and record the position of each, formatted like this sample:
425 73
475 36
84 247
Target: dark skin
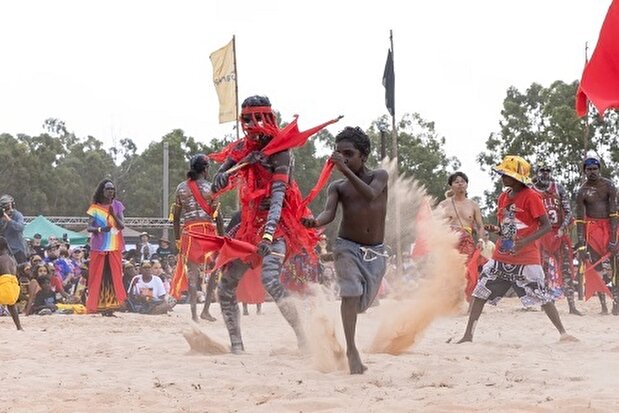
147 276
596 198
109 193
363 196
9 266
477 304
193 269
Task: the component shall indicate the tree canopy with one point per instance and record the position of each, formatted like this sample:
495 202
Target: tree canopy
541 125
56 172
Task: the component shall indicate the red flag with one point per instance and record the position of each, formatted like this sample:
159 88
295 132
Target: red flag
594 283
600 79
322 181
228 249
233 249
290 137
235 150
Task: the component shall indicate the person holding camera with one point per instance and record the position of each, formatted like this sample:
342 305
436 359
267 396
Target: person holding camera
12 228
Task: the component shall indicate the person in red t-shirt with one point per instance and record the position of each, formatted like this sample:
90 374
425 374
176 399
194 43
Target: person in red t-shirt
516 261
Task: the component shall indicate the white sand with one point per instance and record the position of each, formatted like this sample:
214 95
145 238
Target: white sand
142 363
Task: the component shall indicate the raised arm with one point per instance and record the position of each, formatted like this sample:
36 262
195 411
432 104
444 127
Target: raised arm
328 214
369 191
220 180
118 218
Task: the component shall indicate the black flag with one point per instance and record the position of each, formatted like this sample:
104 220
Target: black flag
389 84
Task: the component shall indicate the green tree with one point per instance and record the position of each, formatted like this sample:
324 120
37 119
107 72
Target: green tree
542 126
421 153
142 185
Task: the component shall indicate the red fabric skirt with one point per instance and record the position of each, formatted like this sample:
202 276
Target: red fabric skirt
250 289
192 252
105 293
597 234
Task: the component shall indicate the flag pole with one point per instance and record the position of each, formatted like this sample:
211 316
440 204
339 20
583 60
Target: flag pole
394 143
236 86
237 193
586 129
581 277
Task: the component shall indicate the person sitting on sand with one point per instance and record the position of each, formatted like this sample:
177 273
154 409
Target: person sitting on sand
146 294
45 300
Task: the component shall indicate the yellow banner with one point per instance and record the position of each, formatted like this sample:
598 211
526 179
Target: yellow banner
224 79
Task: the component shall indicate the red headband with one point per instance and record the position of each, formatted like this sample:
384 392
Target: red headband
256 109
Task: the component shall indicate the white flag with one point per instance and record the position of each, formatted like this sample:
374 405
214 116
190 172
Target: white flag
224 79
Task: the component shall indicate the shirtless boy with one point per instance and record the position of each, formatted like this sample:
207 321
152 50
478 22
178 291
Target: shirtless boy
359 252
464 216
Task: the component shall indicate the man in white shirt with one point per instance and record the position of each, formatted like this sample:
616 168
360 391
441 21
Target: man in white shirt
147 293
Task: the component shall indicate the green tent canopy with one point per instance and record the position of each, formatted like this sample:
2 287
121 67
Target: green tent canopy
45 227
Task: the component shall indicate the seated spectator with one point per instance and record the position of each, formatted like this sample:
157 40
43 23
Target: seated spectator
36 260
79 293
23 276
164 249
33 285
55 280
170 265
146 293
45 299
129 272
157 269
36 245
64 268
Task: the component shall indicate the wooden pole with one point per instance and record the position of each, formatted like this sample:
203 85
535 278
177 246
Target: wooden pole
237 196
236 87
585 138
394 144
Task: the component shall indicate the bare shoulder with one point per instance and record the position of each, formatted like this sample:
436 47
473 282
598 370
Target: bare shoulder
609 184
337 185
180 187
380 173
472 203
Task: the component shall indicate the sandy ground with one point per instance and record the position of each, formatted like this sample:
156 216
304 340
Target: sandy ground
142 363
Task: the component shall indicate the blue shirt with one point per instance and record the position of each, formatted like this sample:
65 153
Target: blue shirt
13 231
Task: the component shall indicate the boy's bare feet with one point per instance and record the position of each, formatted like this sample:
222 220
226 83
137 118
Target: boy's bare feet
466 339
566 338
354 362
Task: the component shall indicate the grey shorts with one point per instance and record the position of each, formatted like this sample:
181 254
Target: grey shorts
360 270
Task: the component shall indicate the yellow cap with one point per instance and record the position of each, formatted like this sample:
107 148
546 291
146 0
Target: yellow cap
515 167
